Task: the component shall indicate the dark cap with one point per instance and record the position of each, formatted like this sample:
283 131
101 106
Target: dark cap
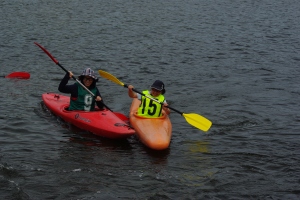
159 85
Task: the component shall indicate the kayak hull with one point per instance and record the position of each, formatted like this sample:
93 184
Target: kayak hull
103 123
154 133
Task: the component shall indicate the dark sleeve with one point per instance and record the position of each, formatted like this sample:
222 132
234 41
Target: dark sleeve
69 89
98 93
100 104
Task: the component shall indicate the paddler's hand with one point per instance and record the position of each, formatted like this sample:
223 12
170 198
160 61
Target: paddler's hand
98 98
70 74
130 87
166 109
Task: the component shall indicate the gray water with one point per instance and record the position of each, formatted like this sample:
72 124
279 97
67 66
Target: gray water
233 62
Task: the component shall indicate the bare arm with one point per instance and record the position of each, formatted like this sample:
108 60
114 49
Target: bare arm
166 109
131 93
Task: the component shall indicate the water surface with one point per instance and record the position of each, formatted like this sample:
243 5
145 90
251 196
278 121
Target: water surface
234 62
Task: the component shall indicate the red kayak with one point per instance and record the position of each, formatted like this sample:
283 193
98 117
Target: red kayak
103 123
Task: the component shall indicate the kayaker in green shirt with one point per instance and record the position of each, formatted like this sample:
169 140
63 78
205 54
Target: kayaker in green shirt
149 108
80 98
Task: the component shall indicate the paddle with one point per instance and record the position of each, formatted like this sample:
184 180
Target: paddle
56 62
192 118
19 75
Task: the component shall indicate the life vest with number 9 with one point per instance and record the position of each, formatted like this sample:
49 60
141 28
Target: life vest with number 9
149 108
84 101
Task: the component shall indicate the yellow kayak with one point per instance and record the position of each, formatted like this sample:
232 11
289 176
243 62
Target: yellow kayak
155 133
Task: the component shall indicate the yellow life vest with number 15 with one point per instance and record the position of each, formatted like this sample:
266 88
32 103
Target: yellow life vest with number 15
149 108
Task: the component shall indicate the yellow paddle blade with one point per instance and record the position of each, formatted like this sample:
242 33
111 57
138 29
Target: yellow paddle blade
110 77
198 121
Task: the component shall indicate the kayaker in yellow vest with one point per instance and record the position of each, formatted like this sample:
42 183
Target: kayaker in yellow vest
80 98
148 107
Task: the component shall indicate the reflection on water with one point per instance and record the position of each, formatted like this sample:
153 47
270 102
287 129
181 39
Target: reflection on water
199 147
